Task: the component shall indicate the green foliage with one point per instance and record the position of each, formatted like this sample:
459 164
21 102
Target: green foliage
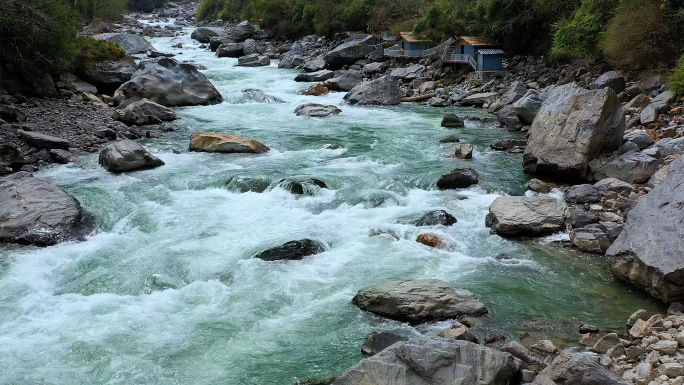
91 51
98 9
145 5
581 35
676 82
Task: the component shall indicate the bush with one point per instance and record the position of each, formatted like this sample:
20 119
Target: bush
99 9
676 82
581 35
91 52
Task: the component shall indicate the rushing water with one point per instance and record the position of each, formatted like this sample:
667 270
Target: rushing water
166 292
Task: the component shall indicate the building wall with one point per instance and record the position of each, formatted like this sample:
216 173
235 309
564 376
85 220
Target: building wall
491 62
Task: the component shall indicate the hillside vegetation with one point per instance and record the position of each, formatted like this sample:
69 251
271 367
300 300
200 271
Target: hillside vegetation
628 33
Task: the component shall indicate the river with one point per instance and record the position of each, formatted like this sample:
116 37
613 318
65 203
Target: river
167 292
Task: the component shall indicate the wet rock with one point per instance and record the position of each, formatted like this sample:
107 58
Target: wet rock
418 301
291 251
319 76
253 60
432 240
539 186
316 90
240 32
127 155
479 99
450 139
302 186
648 251
381 91
168 127
204 34
555 145
526 216
233 50
379 341
243 184
435 218
528 359
156 110
432 361
259 96
464 151
508 117
345 81
131 43
43 141
314 65
632 167
225 143
591 240
108 75
169 83
347 53
577 369
458 178
62 156
318 381
317 110
290 60
452 121
509 145
34 212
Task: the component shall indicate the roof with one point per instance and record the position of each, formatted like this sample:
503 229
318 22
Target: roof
470 40
490 52
408 36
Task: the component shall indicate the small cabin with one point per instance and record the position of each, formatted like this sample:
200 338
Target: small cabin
484 53
408 42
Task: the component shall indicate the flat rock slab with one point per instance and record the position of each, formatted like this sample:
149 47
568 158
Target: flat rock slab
526 216
48 142
225 143
32 211
423 361
419 301
479 99
648 252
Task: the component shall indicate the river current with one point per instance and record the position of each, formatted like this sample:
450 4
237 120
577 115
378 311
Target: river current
167 292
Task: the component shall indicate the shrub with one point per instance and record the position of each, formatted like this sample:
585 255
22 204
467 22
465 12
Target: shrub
676 82
581 35
91 51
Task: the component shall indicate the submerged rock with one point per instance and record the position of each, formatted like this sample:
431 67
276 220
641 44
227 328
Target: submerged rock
434 361
253 60
225 143
419 301
243 184
127 155
259 96
452 121
34 212
459 178
432 240
317 110
526 216
302 186
435 218
648 252
379 341
573 126
294 250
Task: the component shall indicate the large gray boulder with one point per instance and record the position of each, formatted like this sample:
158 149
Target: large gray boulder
253 60
156 110
479 99
127 155
576 368
516 91
204 34
632 167
526 216
239 32
409 73
234 50
419 301
347 53
291 59
648 252
573 126
345 81
528 106
381 91
39 140
130 43
315 64
108 75
423 361
169 83
611 79
32 211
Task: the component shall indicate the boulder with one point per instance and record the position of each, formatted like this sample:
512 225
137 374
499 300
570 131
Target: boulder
372 68
292 251
239 32
452 121
381 91
435 218
169 83
62 156
225 143
319 76
576 368
583 193
632 167
34 212
314 65
516 91
419 301
464 151
611 79
132 114
591 240
379 341
450 139
539 186
156 110
108 75
432 240
291 59
346 81
662 102
308 186
409 73
317 90
526 216
127 155
479 99
204 34
259 96
508 117
234 50
648 252
243 184
316 110
642 139
43 141
572 127
433 361
130 43
459 178
347 53
528 106
253 60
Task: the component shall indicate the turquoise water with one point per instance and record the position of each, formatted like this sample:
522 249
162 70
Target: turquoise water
166 291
